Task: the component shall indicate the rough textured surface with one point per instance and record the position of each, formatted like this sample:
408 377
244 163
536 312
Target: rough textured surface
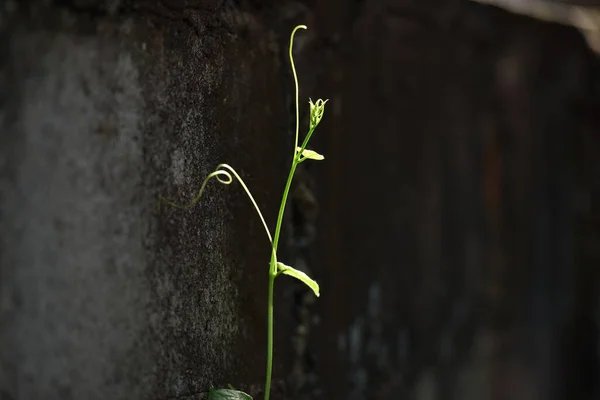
104 294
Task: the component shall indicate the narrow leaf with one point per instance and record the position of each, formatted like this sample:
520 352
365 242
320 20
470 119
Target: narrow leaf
301 276
311 154
227 394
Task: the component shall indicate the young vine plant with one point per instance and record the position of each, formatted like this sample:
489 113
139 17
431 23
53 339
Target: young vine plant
225 174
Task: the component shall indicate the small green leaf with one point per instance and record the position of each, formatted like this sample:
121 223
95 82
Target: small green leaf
227 394
311 154
287 270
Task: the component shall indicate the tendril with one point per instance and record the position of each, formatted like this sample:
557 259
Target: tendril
295 75
223 173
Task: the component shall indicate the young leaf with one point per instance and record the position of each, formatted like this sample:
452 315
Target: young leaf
287 270
316 112
227 394
311 154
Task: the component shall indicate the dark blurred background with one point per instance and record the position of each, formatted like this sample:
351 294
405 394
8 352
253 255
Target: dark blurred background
458 238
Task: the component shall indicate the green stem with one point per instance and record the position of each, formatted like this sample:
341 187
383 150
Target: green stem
269 335
306 139
286 191
273 274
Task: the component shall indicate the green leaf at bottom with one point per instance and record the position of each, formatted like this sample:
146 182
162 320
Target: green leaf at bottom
227 394
287 270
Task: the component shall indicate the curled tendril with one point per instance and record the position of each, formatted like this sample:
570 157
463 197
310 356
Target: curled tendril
223 173
295 75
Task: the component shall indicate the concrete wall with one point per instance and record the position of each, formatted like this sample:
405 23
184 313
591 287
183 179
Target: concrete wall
104 107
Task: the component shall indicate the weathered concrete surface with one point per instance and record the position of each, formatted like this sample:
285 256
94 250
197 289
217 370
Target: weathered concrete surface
104 106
